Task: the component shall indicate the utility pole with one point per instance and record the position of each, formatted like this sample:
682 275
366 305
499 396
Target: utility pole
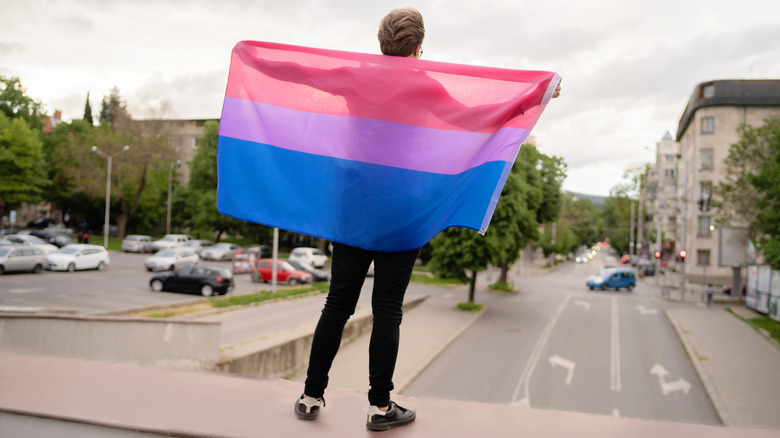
631 230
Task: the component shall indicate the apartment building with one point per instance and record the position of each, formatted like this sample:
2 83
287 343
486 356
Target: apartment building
707 129
662 205
183 135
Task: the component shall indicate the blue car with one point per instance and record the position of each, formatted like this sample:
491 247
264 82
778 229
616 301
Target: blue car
613 278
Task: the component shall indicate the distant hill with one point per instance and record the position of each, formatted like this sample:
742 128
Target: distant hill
598 201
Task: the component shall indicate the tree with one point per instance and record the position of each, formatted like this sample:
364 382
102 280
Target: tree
88 112
15 103
22 172
113 111
735 199
203 195
460 253
760 167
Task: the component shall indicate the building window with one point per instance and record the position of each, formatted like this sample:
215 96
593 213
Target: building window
670 173
670 158
708 92
705 195
703 257
707 157
707 125
672 221
704 226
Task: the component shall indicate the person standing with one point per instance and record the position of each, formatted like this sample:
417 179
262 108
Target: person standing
709 292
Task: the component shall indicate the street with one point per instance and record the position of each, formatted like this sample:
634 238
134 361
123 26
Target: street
557 345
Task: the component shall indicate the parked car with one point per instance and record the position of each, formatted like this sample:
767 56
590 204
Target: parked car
57 236
79 256
33 242
646 267
220 251
262 251
206 280
170 259
21 258
312 256
198 245
317 274
137 243
285 272
613 278
170 241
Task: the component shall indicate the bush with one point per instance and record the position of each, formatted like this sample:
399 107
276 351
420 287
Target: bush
501 286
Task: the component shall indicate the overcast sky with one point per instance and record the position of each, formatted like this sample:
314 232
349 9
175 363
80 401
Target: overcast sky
628 66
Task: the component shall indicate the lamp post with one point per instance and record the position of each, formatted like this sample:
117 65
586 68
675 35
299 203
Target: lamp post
108 187
177 163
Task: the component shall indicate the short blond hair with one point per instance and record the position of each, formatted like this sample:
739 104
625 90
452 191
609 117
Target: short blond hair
400 32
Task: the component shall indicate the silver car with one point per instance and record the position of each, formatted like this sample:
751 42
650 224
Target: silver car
137 243
21 258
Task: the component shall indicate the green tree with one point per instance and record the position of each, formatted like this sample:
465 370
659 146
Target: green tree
113 111
22 172
460 253
580 216
203 187
760 167
88 112
15 103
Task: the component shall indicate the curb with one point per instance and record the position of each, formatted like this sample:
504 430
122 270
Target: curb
709 386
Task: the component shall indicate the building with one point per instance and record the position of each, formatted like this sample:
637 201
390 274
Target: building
662 188
706 131
183 135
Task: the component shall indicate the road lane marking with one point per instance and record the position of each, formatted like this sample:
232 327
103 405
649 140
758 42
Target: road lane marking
556 360
584 304
646 311
667 387
525 377
614 368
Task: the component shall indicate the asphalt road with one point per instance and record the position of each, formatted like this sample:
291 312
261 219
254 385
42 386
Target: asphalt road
557 345
124 285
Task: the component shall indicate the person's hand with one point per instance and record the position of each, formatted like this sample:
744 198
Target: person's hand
557 91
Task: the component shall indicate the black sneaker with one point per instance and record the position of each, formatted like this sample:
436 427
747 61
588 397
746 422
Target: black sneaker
307 407
394 417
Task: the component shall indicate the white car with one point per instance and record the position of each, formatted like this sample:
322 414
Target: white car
33 242
79 256
170 259
220 251
312 256
20 258
137 243
170 241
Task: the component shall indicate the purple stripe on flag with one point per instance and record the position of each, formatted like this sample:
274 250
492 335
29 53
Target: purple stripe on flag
366 140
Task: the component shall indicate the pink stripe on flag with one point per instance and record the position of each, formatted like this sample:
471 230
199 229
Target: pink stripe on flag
401 90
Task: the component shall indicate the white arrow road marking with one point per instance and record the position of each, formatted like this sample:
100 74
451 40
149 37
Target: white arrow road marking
522 384
584 304
645 311
556 360
667 387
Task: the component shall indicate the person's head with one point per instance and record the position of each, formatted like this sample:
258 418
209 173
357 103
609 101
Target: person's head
401 33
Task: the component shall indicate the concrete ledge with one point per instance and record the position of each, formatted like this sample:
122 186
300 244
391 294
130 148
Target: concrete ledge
168 343
203 404
284 354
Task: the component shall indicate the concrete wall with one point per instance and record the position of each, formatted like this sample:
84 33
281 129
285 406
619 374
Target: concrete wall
286 354
178 344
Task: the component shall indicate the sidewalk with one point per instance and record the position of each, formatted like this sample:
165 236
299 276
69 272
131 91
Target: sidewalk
738 366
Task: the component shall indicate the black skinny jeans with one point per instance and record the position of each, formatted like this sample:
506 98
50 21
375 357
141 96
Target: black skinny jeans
392 272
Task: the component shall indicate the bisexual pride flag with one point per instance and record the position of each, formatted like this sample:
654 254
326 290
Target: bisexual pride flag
374 151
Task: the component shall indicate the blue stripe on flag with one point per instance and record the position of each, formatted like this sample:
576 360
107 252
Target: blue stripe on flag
366 205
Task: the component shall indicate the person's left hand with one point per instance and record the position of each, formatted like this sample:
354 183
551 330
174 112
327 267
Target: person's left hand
557 91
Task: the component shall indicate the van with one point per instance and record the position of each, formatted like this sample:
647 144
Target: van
613 278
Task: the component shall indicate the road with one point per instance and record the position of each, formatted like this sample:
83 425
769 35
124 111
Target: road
124 285
557 345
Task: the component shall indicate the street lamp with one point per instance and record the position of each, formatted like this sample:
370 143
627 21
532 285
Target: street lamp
177 163
108 187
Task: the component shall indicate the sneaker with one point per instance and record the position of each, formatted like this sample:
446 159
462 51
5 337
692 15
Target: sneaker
307 407
394 417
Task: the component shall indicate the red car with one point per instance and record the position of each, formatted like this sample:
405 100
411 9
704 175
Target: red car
285 273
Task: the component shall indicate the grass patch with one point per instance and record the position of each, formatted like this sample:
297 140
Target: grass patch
265 295
762 324
501 286
470 306
424 278
162 315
